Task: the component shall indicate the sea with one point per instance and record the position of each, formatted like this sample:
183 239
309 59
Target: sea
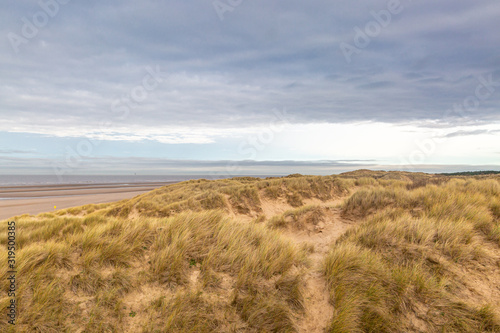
33 180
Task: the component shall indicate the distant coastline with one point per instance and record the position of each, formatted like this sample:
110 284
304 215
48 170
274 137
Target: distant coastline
471 173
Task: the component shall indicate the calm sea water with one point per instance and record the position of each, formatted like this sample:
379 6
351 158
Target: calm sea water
19 180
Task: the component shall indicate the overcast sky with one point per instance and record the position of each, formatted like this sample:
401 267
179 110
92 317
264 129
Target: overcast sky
188 86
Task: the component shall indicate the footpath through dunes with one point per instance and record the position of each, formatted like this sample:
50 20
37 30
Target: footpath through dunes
304 209
314 226
387 252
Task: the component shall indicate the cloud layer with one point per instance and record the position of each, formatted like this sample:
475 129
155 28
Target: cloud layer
82 67
164 86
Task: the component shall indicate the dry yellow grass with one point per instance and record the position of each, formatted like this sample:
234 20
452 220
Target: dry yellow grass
402 268
422 255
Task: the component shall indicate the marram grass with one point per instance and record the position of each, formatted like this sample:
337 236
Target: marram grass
422 254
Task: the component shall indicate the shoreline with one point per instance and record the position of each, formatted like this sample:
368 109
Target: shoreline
36 199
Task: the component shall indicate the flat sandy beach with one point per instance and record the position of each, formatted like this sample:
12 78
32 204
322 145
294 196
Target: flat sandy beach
20 200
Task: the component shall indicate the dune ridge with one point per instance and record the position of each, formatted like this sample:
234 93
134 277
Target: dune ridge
358 252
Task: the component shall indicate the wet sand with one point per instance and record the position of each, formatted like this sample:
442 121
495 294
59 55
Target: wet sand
20 200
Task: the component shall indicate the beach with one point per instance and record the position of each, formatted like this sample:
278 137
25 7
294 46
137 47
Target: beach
18 200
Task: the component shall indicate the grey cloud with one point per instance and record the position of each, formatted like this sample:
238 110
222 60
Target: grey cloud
475 132
264 55
377 85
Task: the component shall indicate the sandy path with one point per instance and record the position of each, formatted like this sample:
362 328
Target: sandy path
318 309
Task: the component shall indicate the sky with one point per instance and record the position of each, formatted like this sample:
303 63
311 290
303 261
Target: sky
248 87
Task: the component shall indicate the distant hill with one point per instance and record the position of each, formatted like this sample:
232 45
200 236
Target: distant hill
471 173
